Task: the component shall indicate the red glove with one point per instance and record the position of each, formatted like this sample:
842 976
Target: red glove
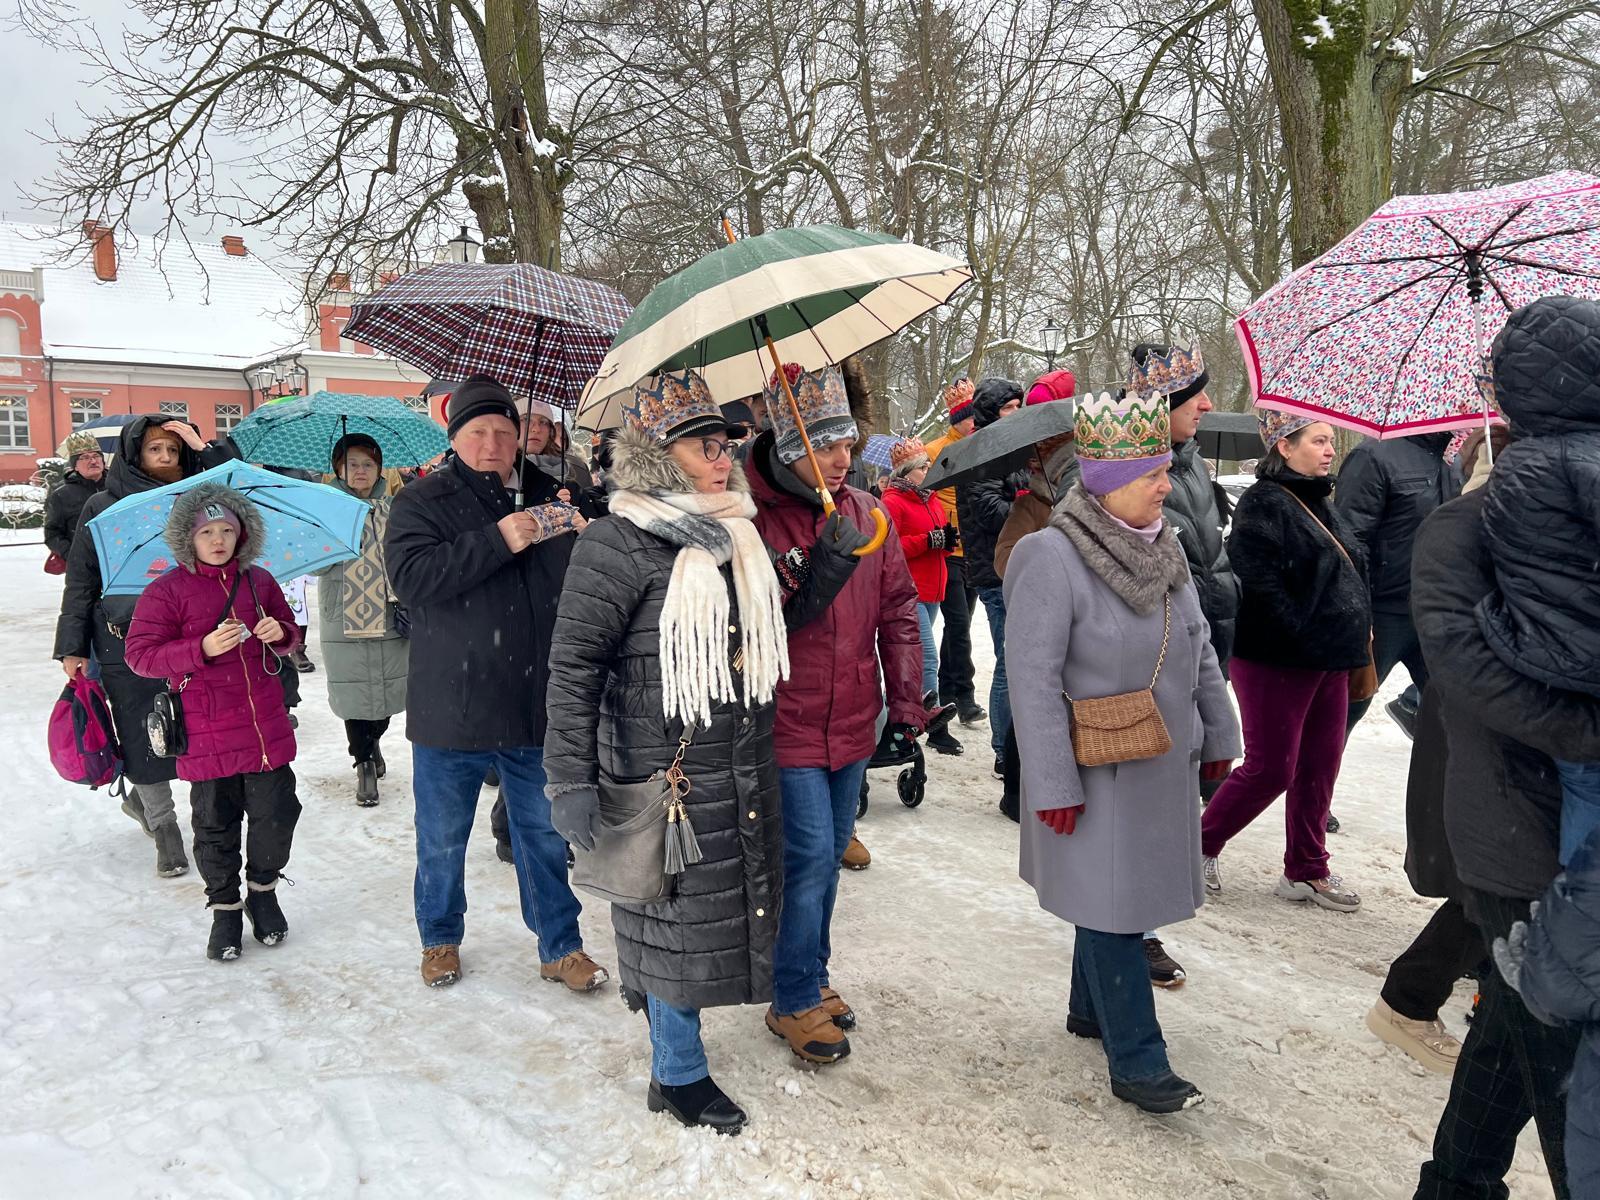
1216 771
1062 820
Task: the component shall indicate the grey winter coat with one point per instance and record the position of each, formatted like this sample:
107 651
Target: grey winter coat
1196 517
1133 863
711 944
366 676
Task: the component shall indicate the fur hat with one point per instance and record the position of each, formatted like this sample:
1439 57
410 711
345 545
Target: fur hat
674 405
1276 424
189 512
1121 438
1176 372
906 455
824 408
958 399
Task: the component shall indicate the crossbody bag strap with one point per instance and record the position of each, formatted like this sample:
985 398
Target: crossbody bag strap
1338 545
1166 641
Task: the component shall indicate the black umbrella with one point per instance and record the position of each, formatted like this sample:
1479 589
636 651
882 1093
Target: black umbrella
1002 448
1230 436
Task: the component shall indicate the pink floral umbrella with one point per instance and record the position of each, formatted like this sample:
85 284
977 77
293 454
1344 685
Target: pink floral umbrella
1385 333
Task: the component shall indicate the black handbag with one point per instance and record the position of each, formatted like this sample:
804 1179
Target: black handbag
163 724
644 840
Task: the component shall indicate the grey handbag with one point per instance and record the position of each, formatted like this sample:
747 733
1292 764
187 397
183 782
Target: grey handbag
644 839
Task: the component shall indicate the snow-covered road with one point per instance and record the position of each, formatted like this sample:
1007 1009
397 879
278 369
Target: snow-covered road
130 1066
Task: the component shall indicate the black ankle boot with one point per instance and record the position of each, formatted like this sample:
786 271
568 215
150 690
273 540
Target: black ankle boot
227 932
267 921
367 784
698 1103
1161 1095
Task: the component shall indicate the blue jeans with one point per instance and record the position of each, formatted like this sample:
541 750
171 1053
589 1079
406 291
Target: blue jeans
1111 987
446 785
1580 805
994 604
677 1055
819 813
926 612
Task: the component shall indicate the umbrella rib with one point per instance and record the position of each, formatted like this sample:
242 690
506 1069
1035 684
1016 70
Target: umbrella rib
812 330
1518 243
1540 266
1373 303
1510 217
1422 327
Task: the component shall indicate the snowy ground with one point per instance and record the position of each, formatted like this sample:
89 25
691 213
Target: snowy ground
133 1067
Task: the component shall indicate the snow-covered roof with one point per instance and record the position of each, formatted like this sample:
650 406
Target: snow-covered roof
185 306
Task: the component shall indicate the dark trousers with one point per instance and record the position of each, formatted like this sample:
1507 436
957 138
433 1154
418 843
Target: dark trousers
1111 987
218 809
363 738
955 646
1512 1067
1425 974
1394 641
289 680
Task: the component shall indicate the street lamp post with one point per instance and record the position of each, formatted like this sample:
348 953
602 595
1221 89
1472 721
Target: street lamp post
463 247
1053 338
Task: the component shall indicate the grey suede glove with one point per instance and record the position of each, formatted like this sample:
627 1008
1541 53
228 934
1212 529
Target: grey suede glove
576 816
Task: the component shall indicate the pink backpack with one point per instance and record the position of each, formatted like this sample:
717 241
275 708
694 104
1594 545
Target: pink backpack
83 741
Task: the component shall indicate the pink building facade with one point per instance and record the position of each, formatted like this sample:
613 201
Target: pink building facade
208 333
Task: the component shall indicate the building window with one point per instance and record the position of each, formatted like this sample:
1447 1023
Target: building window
10 337
174 408
14 423
86 408
415 403
228 415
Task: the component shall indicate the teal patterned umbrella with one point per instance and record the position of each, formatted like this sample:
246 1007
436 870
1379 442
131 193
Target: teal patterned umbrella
302 432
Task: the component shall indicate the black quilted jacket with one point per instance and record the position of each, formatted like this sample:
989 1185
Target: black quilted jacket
711 944
1542 512
982 507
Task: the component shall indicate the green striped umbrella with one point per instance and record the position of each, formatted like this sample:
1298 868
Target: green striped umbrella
824 292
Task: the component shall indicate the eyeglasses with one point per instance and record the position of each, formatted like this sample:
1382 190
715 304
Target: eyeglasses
715 448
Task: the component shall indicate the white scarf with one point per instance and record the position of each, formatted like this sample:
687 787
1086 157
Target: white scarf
712 528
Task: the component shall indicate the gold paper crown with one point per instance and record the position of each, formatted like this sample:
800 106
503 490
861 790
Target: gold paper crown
1110 429
1164 374
664 402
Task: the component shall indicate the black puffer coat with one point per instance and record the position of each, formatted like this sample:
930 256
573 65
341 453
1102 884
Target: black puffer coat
62 508
1502 797
1543 507
1386 489
91 621
1303 604
1193 511
711 944
982 507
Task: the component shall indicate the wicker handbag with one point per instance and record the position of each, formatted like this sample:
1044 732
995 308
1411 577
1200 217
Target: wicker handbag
1363 681
1125 728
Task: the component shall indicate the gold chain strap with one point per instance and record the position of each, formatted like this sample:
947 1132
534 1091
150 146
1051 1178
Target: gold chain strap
1166 641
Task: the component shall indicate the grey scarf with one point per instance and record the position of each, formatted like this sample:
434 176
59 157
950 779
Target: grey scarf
1139 572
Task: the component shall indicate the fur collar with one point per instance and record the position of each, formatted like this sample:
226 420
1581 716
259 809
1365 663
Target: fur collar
180 521
639 463
1138 572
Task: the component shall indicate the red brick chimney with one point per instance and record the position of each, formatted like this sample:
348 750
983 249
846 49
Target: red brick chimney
105 250
233 243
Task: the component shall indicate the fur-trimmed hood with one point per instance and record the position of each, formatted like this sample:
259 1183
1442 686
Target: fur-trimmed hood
639 463
180 522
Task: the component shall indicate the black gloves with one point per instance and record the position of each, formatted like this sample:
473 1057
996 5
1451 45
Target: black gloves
576 816
830 562
838 536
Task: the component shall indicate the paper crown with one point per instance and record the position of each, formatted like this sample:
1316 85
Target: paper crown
1277 424
1125 429
907 450
824 409
958 400
665 403
1166 374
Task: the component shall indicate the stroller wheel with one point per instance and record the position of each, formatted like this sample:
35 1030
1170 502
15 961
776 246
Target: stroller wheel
861 804
911 785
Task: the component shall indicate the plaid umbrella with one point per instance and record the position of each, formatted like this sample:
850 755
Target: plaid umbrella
1385 333
539 333
878 449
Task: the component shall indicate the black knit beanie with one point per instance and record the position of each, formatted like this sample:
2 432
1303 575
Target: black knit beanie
477 396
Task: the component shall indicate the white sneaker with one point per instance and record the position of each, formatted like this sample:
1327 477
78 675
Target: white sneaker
1328 892
1429 1042
1213 874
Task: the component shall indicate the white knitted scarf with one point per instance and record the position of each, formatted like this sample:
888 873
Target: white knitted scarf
711 529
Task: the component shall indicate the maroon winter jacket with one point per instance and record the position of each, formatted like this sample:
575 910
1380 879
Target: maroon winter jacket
829 704
233 707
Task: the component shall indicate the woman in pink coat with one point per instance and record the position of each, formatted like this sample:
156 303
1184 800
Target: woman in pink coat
215 628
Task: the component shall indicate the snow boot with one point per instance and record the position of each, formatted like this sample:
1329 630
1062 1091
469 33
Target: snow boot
943 742
577 970
227 932
938 716
970 712
834 1005
301 662
811 1035
699 1103
1164 969
1083 1027
170 858
377 761
134 807
502 851
267 921
1011 806
367 784
441 965
1403 715
856 856
1163 1094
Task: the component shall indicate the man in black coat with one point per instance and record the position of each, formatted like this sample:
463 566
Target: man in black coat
86 475
1502 817
1386 489
982 509
477 552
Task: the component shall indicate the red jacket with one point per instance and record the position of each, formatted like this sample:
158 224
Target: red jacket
828 706
915 515
233 707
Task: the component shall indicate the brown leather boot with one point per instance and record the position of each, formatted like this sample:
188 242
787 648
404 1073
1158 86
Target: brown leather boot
812 1035
441 965
855 857
577 970
833 1004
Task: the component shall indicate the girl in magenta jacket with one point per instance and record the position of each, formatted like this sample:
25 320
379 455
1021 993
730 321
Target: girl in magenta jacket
215 628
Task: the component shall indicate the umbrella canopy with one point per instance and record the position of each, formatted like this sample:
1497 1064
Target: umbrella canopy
824 293
878 449
537 332
302 432
1385 333
309 525
108 430
1002 448
1233 436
